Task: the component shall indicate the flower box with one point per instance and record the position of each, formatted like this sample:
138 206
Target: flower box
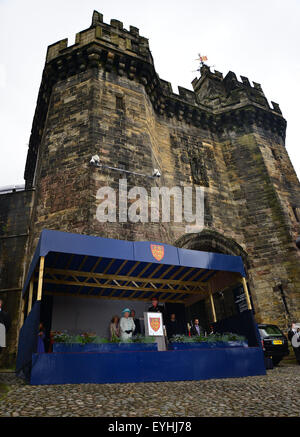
103 347
206 345
237 343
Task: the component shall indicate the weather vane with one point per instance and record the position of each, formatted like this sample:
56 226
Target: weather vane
201 59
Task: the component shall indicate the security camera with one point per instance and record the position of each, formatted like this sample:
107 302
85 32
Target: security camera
156 173
95 160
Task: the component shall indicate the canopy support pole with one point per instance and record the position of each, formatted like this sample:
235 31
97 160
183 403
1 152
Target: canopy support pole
246 294
41 274
30 296
212 304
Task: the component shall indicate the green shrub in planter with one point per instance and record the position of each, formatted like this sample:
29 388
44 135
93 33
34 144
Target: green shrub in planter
61 337
84 338
114 339
199 338
213 338
229 336
139 338
178 338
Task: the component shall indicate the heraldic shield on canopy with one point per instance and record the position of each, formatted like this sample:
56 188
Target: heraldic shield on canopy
157 251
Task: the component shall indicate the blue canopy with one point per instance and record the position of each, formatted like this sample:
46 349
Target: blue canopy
92 266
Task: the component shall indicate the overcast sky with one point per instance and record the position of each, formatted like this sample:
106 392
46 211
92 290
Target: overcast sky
258 39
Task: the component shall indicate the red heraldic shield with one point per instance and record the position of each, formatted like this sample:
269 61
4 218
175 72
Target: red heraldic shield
155 323
157 251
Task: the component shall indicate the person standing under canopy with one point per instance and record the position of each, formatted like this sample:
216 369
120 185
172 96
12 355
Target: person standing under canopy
114 328
127 325
196 329
156 308
136 322
173 327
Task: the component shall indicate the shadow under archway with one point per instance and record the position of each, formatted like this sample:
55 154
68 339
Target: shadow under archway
210 240
225 302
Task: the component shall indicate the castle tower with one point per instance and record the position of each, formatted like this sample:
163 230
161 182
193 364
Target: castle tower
102 96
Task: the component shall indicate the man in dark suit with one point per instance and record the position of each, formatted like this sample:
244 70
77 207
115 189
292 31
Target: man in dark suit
156 308
173 327
196 328
136 322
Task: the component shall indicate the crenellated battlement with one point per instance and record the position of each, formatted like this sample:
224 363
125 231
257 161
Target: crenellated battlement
216 103
112 35
217 92
113 48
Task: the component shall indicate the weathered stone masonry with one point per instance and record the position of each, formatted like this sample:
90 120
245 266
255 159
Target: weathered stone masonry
103 96
15 210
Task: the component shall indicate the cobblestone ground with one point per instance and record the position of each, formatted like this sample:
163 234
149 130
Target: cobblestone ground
276 394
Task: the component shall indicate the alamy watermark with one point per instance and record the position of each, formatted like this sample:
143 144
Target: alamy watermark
136 205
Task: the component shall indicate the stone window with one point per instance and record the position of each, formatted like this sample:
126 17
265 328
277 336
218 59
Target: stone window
282 294
198 171
296 213
120 103
274 154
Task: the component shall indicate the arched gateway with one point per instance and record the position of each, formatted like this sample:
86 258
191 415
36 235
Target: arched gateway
228 300
212 241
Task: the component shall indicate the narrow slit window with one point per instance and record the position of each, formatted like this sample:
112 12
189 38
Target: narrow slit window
274 154
282 293
120 103
296 213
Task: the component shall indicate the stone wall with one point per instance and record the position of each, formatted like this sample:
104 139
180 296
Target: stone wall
103 96
268 228
15 209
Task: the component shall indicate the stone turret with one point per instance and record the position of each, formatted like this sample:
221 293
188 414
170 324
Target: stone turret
220 93
112 36
103 46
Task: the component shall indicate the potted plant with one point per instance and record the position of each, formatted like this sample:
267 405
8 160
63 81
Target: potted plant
89 342
180 342
234 340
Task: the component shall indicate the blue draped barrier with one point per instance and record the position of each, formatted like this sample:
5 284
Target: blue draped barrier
117 367
28 342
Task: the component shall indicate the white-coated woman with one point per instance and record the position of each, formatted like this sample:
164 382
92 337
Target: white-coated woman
127 325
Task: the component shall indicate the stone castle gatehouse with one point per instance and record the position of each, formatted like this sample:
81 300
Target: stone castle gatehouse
102 96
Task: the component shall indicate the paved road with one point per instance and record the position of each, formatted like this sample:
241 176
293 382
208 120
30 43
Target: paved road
276 394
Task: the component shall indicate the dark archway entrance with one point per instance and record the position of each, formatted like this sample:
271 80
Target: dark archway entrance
212 241
227 302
